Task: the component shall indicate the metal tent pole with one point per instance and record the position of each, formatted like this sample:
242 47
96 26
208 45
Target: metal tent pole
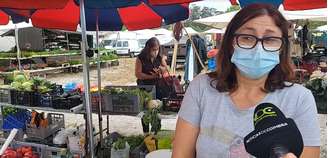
99 85
18 49
86 81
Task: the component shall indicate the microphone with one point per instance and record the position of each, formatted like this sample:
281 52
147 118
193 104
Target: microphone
274 135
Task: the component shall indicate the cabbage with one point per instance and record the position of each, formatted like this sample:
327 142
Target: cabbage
27 86
20 78
17 85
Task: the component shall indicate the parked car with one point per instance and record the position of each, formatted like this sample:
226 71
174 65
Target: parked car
128 47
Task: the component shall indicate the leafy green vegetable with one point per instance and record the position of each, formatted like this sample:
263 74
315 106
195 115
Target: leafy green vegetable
318 86
20 78
17 85
143 95
134 141
151 117
165 143
27 86
119 144
9 110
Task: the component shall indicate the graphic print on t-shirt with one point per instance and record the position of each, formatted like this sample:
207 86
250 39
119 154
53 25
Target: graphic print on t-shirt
233 143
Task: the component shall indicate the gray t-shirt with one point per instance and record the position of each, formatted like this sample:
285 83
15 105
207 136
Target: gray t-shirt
223 126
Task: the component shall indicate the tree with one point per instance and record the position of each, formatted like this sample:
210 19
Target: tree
311 24
197 13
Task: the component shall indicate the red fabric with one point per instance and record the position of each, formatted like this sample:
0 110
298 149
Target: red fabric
304 4
233 2
66 19
166 2
33 4
4 18
133 16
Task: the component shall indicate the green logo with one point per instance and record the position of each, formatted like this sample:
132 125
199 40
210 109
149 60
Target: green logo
264 113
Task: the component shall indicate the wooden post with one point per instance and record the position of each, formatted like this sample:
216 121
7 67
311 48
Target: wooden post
174 57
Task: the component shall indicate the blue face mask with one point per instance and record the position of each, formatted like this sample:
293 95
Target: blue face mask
254 63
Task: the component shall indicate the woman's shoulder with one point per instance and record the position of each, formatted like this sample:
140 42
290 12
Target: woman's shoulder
294 89
202 79
201 82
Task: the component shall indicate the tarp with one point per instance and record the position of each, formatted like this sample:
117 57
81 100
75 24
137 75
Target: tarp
190 31
322 28
210 31
222 20
11 26
287 4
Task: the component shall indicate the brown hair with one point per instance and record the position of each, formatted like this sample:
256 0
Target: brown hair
145 52
225 74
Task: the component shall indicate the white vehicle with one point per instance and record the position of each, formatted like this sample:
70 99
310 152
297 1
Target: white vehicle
126 47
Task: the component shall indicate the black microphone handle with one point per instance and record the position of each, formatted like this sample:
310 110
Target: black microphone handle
278 151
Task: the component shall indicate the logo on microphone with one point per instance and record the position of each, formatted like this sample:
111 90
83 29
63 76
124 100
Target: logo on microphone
263 113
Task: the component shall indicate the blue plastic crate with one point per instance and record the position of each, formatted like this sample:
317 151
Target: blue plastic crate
16 120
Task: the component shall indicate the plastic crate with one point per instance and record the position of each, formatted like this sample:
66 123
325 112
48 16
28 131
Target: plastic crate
66 103
46 100
127 104
16 120
121 104
94 101
22 97
5 95
56 122
19 136
148 88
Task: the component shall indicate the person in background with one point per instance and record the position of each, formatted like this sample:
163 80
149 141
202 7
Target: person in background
253 67
150 64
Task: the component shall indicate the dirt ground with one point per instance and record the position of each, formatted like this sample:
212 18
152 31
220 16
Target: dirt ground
116 75
131 125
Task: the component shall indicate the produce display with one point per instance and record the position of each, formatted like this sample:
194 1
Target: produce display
21 152
151 118
40 92
41 60
318 86
37 54
36 91
143 95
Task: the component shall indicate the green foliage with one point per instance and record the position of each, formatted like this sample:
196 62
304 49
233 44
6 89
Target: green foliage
311 24
9 78
165 143
318 86
42 85
144 96
9 110
134 141
36 54
119 144
36 84
197 13
110 56
75 62
164 138
20 78
151 117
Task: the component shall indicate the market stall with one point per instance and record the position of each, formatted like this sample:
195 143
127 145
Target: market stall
40 18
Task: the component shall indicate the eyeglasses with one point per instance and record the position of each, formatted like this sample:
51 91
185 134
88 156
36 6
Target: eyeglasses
270 44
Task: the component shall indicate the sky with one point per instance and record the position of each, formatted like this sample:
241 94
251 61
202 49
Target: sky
220 5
